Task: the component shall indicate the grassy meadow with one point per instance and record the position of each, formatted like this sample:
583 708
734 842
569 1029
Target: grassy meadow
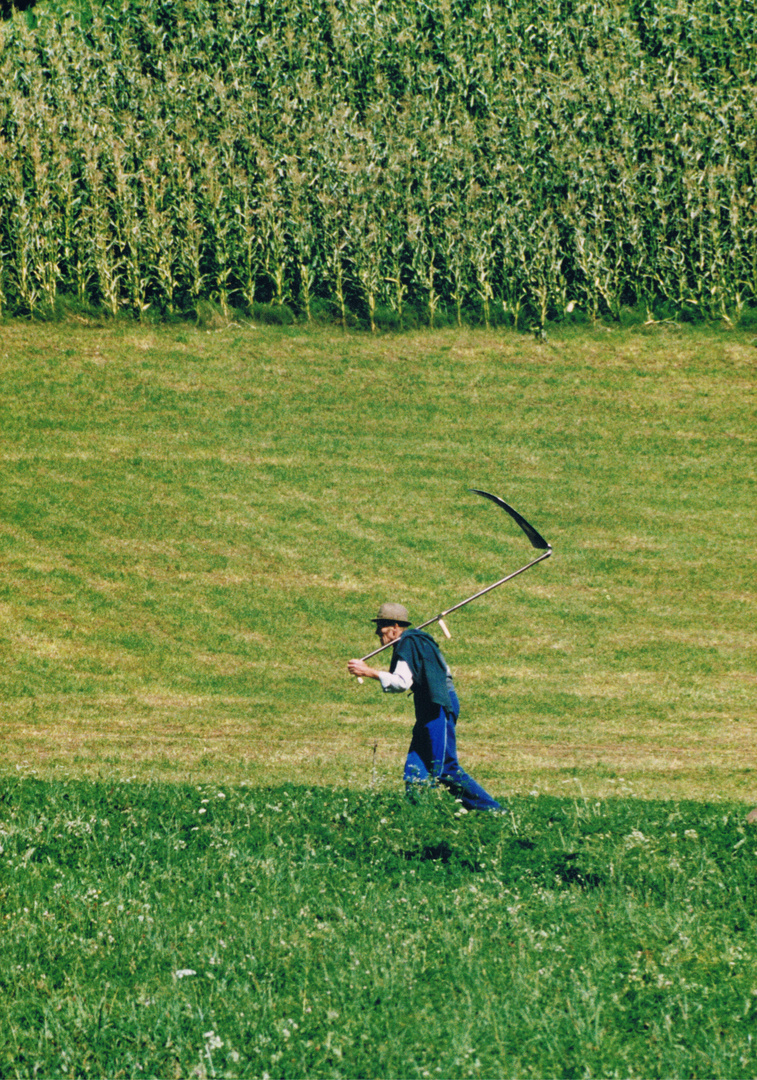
198 524
208 867
214 931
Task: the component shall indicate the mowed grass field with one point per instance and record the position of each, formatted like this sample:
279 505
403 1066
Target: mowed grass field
196 526
207 866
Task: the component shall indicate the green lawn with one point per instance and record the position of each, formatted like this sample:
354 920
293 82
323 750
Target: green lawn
207 867
196 527
155 930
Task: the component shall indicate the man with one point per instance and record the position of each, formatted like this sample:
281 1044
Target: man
418 665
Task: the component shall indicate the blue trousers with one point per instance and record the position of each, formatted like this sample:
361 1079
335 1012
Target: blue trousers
432 757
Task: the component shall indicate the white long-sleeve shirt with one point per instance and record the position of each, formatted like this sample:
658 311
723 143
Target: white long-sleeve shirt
397 681
401 679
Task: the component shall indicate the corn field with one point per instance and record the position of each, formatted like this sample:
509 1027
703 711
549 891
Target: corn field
467 160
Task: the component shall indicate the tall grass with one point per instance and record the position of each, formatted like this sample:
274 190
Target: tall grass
399 162
175 930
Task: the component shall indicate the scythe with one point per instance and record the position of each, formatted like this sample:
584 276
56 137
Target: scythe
537 541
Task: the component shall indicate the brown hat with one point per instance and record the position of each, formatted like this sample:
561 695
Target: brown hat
392 613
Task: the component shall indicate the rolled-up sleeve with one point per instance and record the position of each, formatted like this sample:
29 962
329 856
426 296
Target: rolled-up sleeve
397 681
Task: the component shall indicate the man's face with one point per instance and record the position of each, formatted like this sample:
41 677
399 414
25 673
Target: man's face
388 631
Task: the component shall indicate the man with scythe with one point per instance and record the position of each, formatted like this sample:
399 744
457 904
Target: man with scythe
418 665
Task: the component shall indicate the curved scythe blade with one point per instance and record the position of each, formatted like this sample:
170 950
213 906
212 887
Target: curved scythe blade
537 540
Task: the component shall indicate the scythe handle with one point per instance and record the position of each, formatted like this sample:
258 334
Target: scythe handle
455 607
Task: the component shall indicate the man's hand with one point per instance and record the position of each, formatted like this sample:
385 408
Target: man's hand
360 669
